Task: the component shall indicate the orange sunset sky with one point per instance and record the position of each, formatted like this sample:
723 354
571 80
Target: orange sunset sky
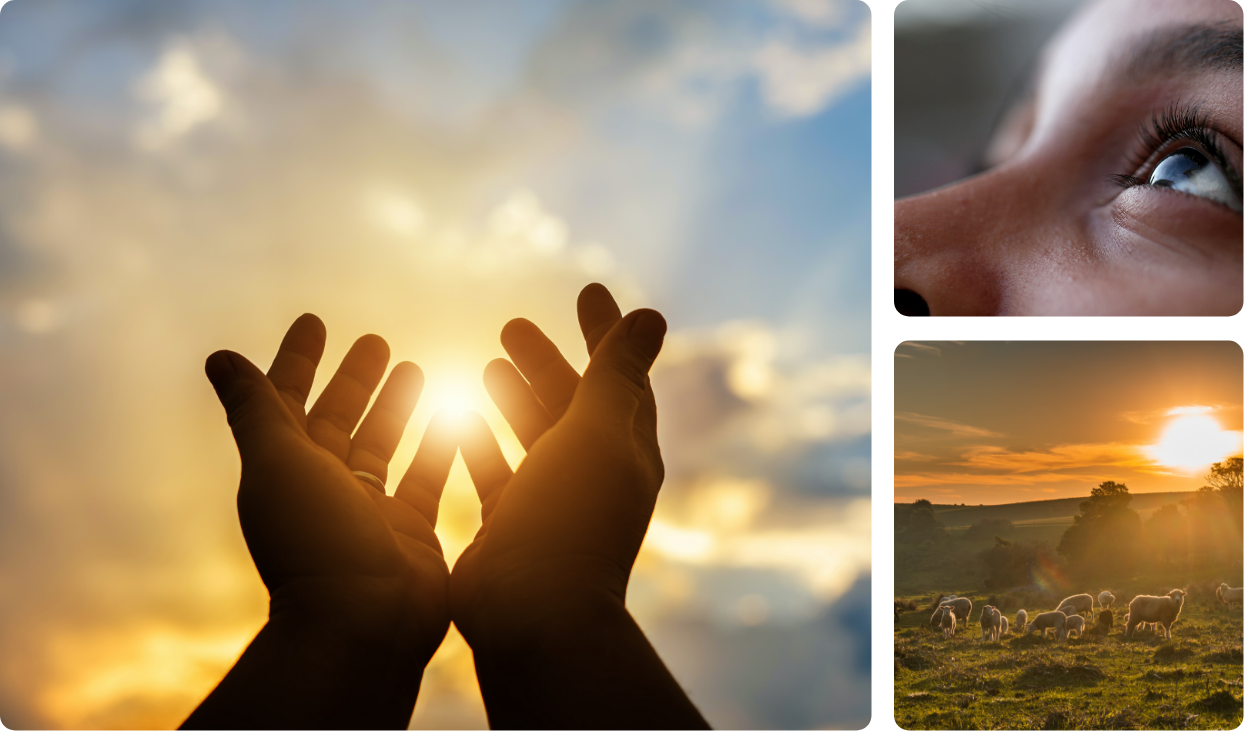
989 423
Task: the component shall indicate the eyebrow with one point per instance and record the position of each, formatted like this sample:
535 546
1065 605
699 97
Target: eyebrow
1162 52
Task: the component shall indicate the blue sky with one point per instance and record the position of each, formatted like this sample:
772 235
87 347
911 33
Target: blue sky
179 177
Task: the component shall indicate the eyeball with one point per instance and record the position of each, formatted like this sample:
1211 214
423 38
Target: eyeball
1188 170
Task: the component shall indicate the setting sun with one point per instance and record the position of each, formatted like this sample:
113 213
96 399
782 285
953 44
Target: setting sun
1194 441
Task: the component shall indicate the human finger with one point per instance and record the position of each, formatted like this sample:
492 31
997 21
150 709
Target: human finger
252 404
598 312
616 380
377 437
483 458
541 363
517 401
424 481
293 368
332 419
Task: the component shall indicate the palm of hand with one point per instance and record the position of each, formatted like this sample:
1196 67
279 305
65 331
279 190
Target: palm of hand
322 540
571 520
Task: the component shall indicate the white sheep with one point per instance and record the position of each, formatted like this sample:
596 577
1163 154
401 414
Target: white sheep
1082 602
1141 625
1021 619
991 623
1227 595
1075 624
961 606
1006 627
1163 610
1105 599
1068 609
948 625
1056 621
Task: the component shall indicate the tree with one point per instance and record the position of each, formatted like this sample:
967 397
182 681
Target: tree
1100 539
917 522
1009 564
1166 534
1227 475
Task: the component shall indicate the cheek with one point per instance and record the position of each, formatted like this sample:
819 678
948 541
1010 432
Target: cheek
1164 253
1178 225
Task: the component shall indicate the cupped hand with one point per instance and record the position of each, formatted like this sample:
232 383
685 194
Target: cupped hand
330 547
562 532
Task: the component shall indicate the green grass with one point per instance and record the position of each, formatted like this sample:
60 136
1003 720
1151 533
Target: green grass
1193 681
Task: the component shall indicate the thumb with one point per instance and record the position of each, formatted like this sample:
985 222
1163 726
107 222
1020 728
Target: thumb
251 401
617 376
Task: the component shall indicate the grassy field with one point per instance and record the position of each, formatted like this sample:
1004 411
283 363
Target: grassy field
1043 511
1196 680
1193 681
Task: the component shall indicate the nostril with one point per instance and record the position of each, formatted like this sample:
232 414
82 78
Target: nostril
910 304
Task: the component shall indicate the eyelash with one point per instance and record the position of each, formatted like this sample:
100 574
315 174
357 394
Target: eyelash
1176 122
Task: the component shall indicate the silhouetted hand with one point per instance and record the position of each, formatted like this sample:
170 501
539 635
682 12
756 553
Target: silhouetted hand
571 520
358 582
540 593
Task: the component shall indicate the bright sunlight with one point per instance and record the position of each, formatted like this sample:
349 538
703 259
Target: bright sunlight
1193 440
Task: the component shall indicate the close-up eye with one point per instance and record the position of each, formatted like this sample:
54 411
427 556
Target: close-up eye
1189 170
1183 153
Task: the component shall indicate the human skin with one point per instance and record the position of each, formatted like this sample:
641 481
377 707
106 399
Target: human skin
357 579
540 593
1045 230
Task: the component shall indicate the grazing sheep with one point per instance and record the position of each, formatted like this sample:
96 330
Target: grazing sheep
1056 621
1075 624
1105 622
1021 619
1006 627
948 625
1163 610
991 623
1068 609
1082 602
1105 599
961 606
1227 595
1142 626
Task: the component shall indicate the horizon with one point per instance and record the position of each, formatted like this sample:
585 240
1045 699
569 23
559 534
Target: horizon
984 423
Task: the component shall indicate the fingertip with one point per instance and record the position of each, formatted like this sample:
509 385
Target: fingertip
410 371
495 367
373 346
220 368
647 330
312 323
515 331
594 291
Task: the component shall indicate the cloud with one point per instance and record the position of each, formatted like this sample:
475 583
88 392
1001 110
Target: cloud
1058 458
807 674
818 13
181 95
742 401
801 81
933 422
687 61
18 127
919 348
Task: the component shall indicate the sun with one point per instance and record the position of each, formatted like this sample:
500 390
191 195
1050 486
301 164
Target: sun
1193 441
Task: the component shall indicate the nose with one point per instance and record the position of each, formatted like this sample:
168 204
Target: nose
910 303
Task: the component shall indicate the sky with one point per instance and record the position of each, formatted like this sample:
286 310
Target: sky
178 177
1003 422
